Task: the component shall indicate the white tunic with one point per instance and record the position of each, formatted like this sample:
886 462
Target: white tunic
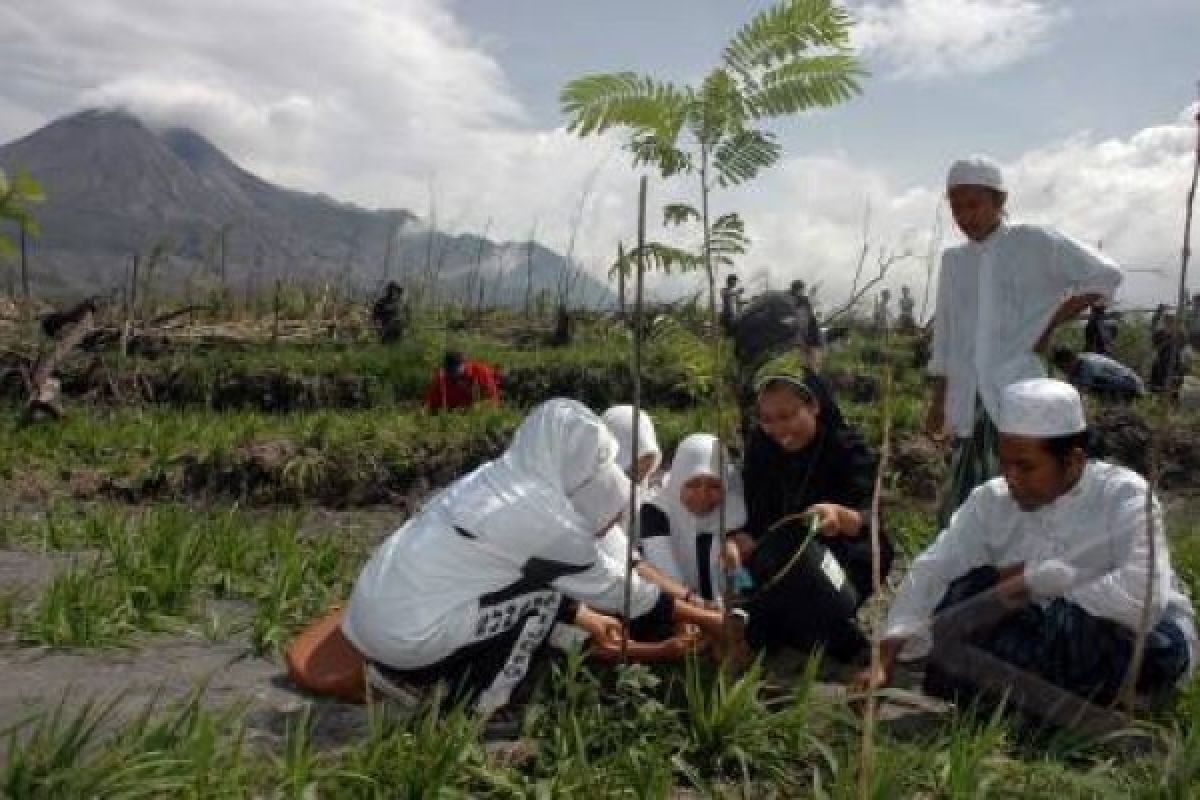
417 600
1098 528
995 299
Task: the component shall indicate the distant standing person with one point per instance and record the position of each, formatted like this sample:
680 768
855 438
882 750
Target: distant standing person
1172 357
390 313
1000 297
809 340
731 302
883 315
907 321
461 383
1096 337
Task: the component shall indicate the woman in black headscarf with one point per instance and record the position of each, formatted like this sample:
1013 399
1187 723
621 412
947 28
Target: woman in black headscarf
803 459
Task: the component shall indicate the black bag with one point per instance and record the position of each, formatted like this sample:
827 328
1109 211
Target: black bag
770 324
802 596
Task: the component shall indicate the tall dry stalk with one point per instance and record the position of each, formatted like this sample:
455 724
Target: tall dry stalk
1128 694
634 527
867 765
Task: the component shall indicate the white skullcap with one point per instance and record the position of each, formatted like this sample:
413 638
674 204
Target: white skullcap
976 171
1042 407
602 497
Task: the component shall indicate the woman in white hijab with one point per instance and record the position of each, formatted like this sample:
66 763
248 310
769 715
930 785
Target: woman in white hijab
464 594
681 524
619 420
642 469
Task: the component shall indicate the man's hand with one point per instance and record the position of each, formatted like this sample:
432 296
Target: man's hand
1011 587
607 632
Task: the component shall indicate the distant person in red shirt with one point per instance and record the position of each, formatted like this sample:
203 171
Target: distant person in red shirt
461 383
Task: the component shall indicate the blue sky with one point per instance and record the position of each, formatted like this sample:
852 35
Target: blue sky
1110 67
454 102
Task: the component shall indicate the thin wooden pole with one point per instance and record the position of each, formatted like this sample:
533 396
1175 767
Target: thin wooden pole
867 766
634 527
1185 256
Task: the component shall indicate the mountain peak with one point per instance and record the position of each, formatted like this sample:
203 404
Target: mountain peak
197 151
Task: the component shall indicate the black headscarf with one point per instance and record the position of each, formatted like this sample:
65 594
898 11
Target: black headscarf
836 467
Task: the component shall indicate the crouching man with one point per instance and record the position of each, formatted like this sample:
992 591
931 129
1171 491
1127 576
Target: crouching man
1036 589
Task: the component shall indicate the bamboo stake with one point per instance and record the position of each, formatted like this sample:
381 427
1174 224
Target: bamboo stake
634 527
867 766
1185 256
1128 694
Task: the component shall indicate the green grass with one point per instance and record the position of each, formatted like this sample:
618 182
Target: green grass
632 734
149 570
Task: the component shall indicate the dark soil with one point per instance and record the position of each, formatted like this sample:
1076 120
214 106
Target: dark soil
919 467
1123 436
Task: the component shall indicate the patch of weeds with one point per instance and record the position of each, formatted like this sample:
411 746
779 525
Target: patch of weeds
82 606
435 753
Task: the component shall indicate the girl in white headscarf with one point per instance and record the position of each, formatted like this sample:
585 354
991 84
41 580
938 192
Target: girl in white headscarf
641 468
619 420
680 526
464 594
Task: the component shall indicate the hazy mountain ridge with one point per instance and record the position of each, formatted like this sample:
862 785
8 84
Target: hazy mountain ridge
116 187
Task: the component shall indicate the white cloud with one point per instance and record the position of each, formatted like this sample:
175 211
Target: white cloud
380 101
1125 194
924 39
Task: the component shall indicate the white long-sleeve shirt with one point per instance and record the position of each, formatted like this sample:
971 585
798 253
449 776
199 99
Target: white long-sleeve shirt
1098 528
506 528
995 299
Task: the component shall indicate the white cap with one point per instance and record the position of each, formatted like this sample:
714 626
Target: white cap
1042 407
976 171
602 497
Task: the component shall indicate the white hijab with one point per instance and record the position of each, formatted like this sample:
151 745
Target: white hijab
559 473
696 456
619 420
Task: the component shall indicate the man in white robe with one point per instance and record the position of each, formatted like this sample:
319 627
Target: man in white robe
1044 572
1000 297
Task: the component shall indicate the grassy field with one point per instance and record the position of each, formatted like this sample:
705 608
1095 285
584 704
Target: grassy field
137 527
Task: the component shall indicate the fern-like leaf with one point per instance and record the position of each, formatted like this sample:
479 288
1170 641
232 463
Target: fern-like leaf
815 82
727 239
680 214
743 155
595 103
785 31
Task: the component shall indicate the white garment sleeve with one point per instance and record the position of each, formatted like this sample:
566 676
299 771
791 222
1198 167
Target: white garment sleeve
598 581
1120 594
1085 270
958 549
940 352
659 551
